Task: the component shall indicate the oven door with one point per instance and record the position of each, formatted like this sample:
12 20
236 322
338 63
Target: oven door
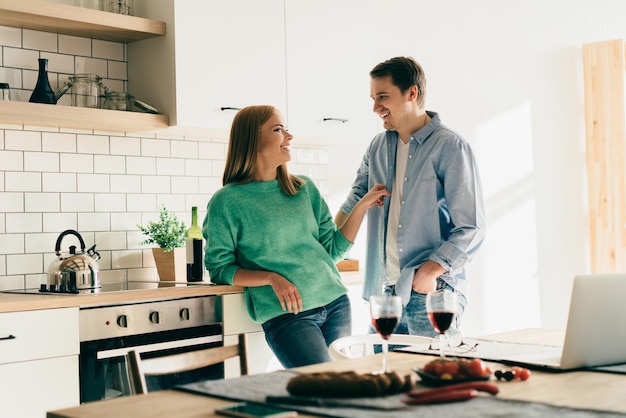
103 369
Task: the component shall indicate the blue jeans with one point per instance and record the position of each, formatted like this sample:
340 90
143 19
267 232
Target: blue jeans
303 339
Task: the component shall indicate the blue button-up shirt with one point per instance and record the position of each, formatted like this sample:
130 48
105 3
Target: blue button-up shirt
441 215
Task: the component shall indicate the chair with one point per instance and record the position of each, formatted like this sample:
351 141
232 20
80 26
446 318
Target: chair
139 368
363 345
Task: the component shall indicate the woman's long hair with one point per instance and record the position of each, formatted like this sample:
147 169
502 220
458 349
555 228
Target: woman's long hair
243 146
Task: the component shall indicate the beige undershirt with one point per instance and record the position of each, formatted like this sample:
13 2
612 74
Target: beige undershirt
393 261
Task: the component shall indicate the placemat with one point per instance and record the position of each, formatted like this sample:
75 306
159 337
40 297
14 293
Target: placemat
495 351
255 388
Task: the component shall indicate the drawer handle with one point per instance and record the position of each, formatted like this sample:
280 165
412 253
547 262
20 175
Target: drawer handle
10 337
335 120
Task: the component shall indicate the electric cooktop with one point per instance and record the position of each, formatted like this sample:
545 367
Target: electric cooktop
106 287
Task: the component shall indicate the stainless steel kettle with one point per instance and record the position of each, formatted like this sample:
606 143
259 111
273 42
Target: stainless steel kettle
74 271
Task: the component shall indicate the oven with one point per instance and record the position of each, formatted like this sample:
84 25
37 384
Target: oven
107 333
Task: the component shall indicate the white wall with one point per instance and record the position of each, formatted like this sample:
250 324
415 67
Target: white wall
508 76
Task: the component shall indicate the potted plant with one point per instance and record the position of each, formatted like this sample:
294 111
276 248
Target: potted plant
169 234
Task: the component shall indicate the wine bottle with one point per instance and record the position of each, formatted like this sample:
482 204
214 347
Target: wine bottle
195 265
43 93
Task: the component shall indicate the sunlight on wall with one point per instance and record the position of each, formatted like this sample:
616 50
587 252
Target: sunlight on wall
504 289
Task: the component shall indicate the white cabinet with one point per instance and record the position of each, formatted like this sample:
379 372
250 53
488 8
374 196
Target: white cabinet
236 321
216 54
38 362
331 47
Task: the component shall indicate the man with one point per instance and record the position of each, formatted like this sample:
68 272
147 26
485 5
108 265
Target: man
422 237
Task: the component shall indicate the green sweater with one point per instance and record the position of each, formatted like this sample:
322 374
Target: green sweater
255 226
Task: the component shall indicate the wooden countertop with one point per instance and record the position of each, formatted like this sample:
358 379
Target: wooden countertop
13 302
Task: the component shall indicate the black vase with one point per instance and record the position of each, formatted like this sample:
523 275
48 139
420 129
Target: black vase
43 93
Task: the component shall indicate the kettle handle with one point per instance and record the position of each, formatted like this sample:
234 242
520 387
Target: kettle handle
57 247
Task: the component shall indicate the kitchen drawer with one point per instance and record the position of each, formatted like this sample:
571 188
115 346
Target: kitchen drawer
38 334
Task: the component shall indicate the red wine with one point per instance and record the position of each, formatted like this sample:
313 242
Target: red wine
441 320
385 325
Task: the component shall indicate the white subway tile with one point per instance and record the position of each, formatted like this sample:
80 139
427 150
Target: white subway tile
111 240
113 276
322 156
42 202
74 45
134 240
108 50
58 222
44 41
318 172
125 146
22 140
10 36
144 274
21 58
155 148
141 165
125 184
217 168
105 260
58 182
113 164
59 63
184 149
173 202
24 264
76 163
197 168
12 160
184 184
41 161
84 65
3 272
155 184
77 202
126 259
12 244
212 151
305 155
1 181
140 202
40 243
125 221
170 166
58 142
29 80
94 222
114 85
109 202
23 222
11 202
22 182
33 281
118 70
13 76
97 183
209 185
92 144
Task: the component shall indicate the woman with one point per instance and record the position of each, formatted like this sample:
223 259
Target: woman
273 234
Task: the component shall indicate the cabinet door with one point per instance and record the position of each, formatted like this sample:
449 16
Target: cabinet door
331 47
29 389
215 54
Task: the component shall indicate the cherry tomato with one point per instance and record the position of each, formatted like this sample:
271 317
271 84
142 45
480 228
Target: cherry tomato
476 368
451 368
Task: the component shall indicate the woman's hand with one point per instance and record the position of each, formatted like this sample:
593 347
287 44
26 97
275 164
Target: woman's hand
375 196
288 294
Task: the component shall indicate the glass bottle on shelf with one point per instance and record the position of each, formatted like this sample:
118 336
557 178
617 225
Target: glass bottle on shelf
195 265
43 93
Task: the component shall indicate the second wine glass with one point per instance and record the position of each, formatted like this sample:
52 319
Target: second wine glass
441 307
386 313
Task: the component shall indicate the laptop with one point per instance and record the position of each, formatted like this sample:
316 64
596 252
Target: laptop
596 327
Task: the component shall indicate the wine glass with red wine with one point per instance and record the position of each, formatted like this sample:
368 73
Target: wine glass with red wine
441 309
386 313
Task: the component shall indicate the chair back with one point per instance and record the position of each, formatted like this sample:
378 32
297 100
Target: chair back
139 368
355 346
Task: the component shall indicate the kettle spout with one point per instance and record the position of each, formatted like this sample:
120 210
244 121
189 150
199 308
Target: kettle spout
93 253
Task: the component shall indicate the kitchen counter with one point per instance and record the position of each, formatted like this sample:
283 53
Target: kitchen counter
14 302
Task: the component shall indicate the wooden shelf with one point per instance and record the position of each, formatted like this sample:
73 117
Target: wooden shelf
36 114
77 21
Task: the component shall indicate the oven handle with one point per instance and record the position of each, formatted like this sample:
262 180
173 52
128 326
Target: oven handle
119 352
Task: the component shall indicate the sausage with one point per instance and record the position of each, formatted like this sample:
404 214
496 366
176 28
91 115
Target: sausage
478 386
441 396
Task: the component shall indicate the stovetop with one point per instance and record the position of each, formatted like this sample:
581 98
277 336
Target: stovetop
109 287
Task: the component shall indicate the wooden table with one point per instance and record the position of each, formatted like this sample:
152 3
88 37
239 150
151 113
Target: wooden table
573 389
